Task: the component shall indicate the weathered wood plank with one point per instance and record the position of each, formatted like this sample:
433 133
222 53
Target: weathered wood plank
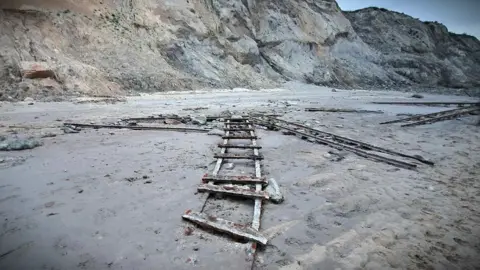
239 123
238 156
234 179
225 226
239 146
244 137
242 191
238 129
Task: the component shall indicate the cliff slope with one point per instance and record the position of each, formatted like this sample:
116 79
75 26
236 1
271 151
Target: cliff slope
422 53
108 47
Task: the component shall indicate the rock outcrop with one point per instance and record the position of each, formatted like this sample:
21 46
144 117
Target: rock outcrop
109 47
421 53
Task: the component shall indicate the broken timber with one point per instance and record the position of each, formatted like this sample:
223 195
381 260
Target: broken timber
210 118
225 226
240 137
340 110
234 179
239 146
238 156
238 129
96 126
233 190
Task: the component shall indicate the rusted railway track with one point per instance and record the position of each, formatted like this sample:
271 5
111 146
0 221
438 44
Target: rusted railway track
359 148
434 117
237 185
429 103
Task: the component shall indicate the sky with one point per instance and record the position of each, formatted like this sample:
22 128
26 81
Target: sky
460 16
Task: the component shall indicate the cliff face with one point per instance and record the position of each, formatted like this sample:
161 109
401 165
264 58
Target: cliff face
422 53
105 47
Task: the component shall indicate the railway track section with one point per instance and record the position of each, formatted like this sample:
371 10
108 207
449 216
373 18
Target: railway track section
434 117
359 148
221 181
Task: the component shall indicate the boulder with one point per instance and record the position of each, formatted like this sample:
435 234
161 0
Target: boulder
199 120
19 144
36 70
274 191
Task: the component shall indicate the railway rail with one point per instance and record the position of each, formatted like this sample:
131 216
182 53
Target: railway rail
235 185
359 148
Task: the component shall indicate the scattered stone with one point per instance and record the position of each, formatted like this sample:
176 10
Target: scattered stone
195 109
188 231
70 129
417 96
195 249
48 135
49 204
312 140
145 177
334 90
229 166
327 155
132 124
199 120
148 182
337 155
3 138
273 191
216 132
51 214
339 126
131 179
236 116
19 144
28 99
80 191
31 103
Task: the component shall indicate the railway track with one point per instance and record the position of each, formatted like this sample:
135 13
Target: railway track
359 148
429 103
434 117
221 181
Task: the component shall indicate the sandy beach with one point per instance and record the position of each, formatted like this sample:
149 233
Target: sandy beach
113 199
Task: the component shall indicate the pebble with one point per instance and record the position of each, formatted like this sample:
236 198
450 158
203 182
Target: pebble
229 166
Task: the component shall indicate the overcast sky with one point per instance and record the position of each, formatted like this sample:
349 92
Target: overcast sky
460 16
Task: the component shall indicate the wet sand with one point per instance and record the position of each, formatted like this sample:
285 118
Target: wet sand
113 199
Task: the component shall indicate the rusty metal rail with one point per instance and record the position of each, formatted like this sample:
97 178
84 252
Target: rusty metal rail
97 126
351 142
430 116
431 103
356 148
444 116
